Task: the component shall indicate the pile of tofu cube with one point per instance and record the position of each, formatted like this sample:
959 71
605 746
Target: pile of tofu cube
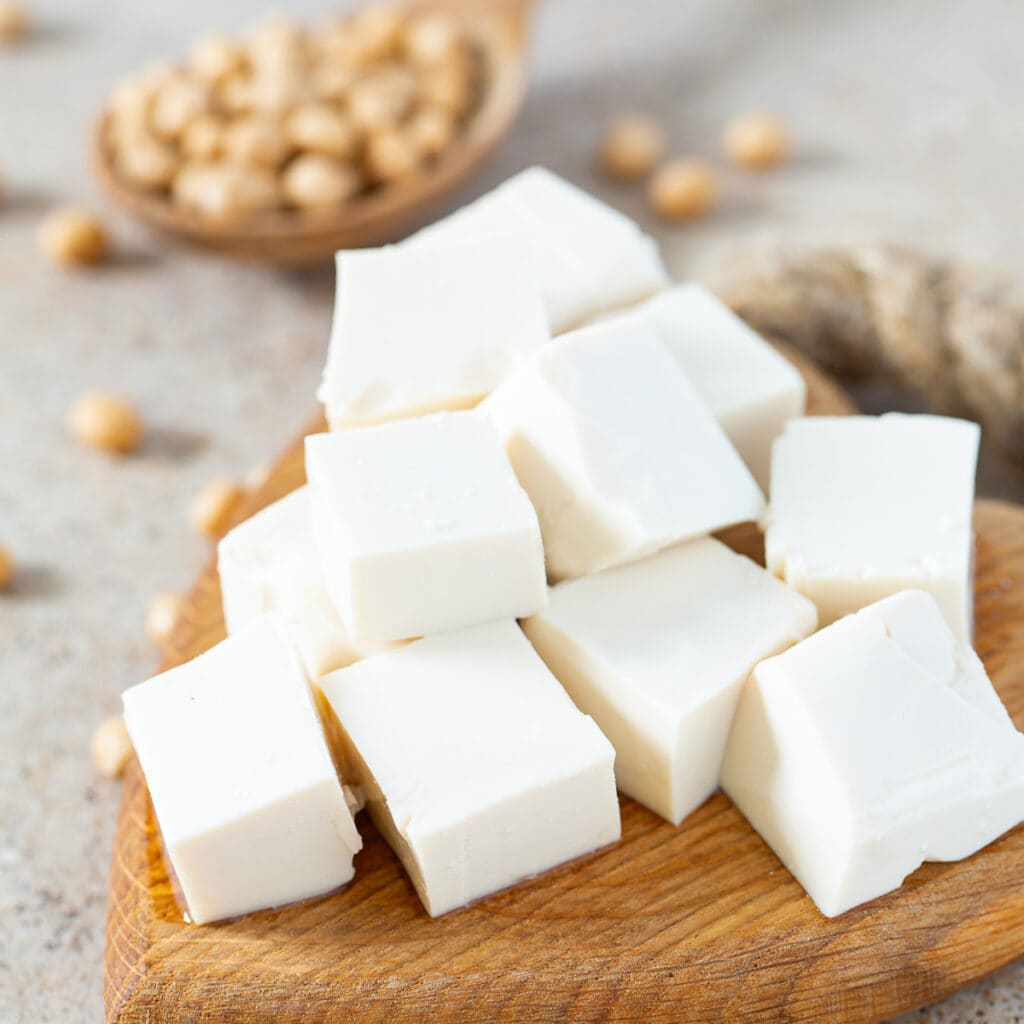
498 601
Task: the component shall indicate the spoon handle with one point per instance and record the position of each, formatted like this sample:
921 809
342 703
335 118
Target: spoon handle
518 11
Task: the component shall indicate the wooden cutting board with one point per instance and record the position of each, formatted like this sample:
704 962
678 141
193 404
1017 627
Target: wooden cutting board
697 923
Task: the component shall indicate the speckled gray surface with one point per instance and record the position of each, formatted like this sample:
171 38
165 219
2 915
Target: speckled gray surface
906 117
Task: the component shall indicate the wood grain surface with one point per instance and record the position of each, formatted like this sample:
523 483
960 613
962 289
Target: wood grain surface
696 923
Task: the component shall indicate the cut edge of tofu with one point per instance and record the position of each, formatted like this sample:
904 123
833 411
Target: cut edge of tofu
756 729
594 771
343 411
199 905
592 682
402 836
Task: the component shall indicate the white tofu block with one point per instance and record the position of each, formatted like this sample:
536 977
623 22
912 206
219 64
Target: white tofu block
416 330
617 451
751 389
657 653
249 804
871 747
269 563
590 258
863 507
477 768
421 527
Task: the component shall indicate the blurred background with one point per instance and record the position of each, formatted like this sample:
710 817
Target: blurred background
906 126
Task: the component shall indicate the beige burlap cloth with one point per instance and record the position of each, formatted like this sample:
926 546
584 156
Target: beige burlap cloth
952 334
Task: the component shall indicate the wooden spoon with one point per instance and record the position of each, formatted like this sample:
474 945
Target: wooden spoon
498 27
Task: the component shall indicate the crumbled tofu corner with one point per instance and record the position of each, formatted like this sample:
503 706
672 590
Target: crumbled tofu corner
355 797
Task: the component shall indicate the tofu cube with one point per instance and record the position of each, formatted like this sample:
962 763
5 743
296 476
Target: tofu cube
871 747
269 563
863 507
421 527
245 791
477 768
417 331
590 257
750 388
657 653
617 451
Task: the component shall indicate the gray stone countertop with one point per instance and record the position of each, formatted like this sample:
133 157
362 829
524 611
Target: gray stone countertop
908 124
